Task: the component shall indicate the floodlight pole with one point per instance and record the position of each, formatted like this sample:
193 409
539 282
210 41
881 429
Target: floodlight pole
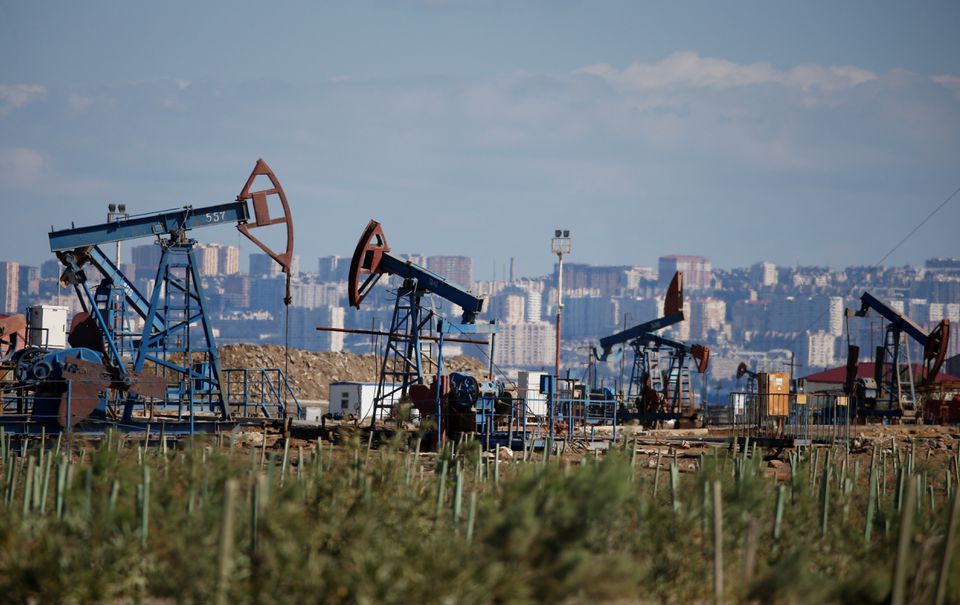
559 245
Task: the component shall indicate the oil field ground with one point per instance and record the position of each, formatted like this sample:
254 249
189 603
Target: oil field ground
658 518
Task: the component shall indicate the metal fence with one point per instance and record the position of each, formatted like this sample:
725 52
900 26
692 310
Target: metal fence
536 422
797 418
58 404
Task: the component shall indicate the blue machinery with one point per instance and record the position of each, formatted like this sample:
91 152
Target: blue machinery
457 403
168 371
403 360
664 388
892 390
661 391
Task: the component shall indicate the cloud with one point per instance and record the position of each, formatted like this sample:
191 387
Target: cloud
691 70
704 147
20 166
16 96
80 102
951 83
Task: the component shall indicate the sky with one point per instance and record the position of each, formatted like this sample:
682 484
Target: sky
814 133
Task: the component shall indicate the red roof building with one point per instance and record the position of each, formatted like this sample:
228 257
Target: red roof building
836 376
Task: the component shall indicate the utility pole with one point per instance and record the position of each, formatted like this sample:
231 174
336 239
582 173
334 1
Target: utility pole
559 245
116 213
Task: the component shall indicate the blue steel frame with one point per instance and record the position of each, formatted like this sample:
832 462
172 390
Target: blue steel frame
888 370
186 355
402 364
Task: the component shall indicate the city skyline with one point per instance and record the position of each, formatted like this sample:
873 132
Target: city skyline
763 313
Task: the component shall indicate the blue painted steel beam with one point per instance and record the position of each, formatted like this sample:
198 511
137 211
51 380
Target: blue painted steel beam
137 301
660 341
901 322
431 282
162 223
637 331
446 327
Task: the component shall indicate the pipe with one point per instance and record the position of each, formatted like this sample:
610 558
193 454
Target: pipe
398 337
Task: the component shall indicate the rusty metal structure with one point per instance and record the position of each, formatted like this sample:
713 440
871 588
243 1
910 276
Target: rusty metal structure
403 364
458 404
660 386
140 358
893 390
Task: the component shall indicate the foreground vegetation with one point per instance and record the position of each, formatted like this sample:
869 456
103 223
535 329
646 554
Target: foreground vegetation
312 523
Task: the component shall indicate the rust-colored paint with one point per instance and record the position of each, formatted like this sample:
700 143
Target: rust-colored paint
935 352
262 218
366 262
84 332
701 353
673 303
13 334
89 381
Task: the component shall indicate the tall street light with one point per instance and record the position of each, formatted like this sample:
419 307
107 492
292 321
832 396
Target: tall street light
117 213
559 245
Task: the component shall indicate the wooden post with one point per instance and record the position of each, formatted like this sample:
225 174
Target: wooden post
675 486
717 544
949 543
778 512
899 594
145 507
871 504
226 541
471 516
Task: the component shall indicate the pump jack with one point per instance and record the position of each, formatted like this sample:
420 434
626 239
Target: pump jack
896 385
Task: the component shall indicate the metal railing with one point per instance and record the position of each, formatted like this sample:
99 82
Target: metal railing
263 390
539 421
800 418
61 405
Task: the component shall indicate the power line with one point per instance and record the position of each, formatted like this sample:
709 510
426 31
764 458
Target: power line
894 249
922 223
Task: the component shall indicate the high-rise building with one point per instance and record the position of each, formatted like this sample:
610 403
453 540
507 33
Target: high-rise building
530 345
29 280
51 269
146 259
208 259
763 275
588 316
697 271
456 269
266 293
304 333
789 314
533 304
332 269
312 294
707 315
9 286
943 266
507 307
606 280
236 292
229 260
817 349
262 265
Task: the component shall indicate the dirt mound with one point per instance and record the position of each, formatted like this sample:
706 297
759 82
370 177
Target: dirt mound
310 373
